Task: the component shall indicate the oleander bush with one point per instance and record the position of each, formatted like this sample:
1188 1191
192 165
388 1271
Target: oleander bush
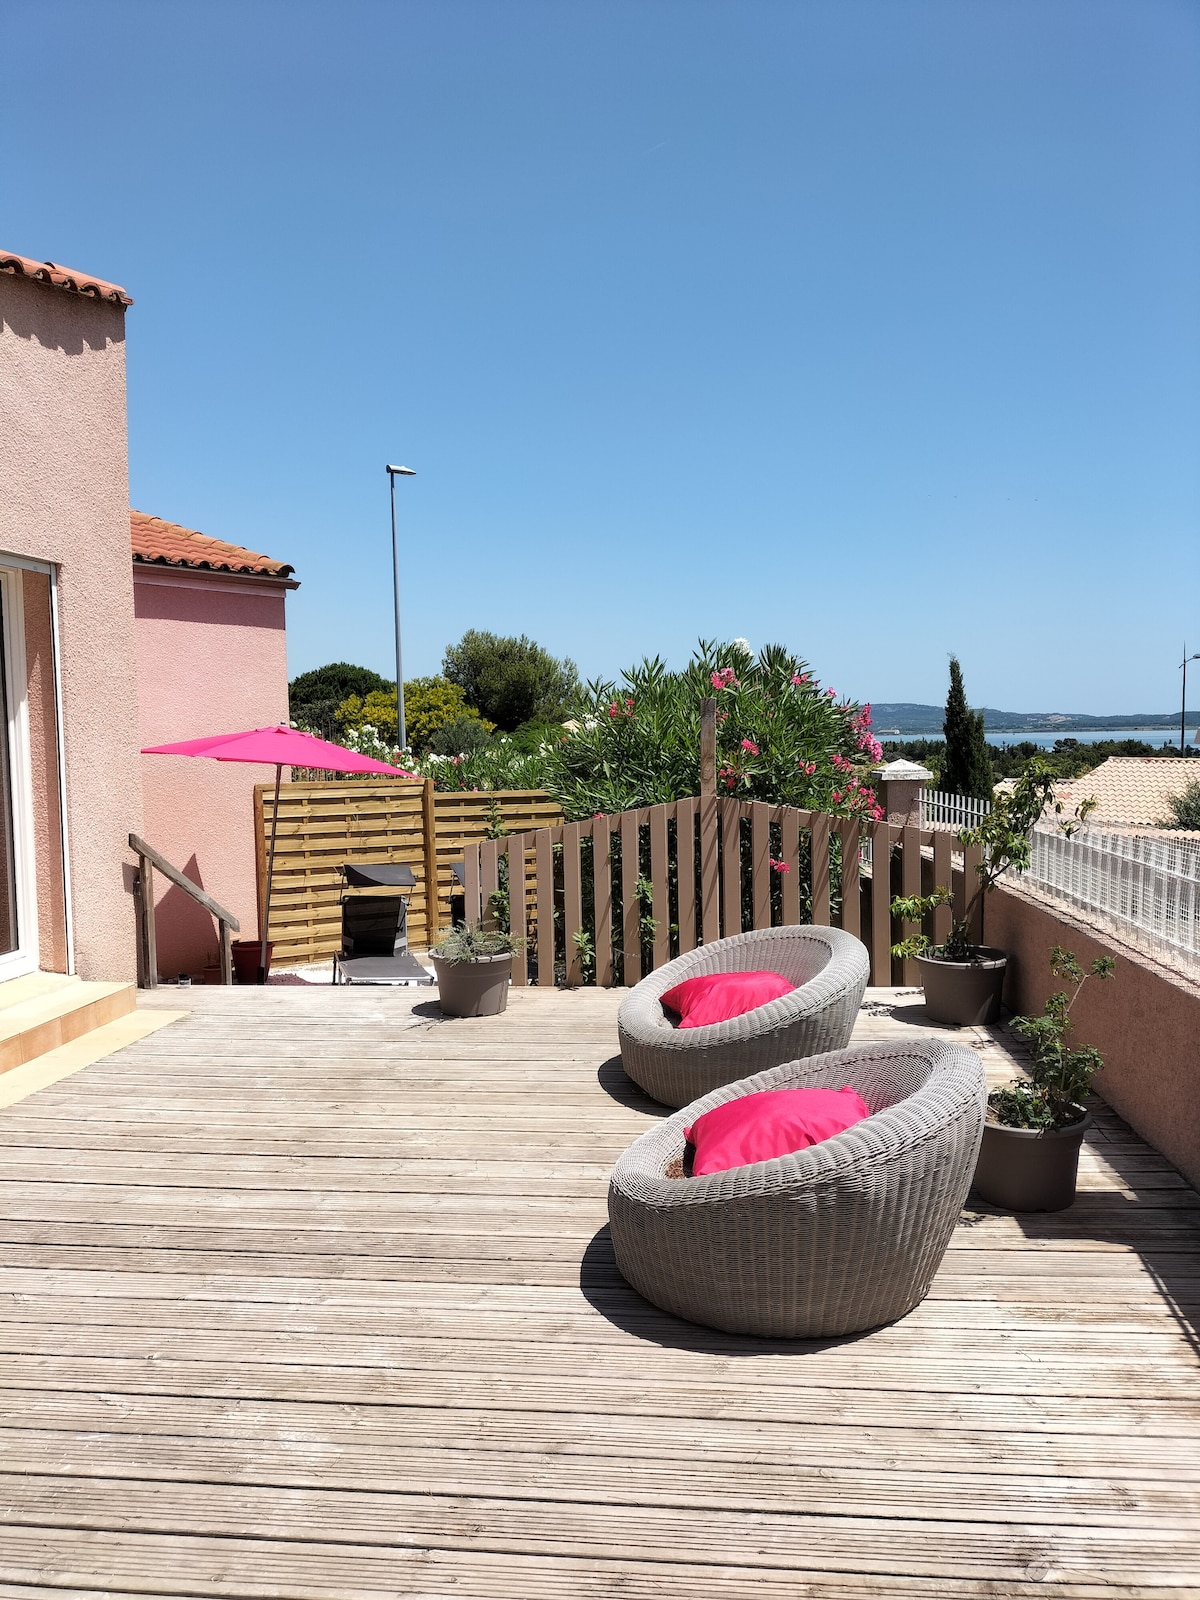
781 737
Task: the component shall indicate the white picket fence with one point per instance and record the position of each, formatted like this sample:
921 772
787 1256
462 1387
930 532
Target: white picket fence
1146 887
941 810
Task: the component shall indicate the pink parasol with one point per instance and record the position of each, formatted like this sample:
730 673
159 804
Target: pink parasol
278 747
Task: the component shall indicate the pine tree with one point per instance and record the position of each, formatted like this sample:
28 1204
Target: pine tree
967 768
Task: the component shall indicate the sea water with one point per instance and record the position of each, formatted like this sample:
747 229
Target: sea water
1046 739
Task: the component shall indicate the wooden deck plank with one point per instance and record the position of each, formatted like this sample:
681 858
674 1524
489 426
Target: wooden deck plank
311 1294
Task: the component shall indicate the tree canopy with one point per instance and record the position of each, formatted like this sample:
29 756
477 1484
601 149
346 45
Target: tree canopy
967 768
314 697
510 681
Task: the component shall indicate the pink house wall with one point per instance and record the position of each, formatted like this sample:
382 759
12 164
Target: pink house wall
211 658
64 499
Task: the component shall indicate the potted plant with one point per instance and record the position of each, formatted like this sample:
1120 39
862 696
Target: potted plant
963 980
473 967
247 953
1029 1157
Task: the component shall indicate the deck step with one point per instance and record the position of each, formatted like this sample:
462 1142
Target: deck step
42 1016
85 1051
31 986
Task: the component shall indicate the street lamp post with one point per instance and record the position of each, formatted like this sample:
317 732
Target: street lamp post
1195 656
401 731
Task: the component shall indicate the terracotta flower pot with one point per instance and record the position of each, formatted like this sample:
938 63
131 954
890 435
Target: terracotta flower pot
1026 1169
964 994
476 988
246 956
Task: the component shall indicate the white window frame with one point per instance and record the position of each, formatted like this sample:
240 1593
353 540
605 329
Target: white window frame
15 963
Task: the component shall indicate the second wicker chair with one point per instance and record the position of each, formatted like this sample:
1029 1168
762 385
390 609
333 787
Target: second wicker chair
835 1239
675 1065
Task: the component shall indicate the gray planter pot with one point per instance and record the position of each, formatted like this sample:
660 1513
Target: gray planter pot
473 988
964 994
1022 1169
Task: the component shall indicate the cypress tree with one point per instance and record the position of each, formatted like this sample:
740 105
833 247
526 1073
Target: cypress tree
968 767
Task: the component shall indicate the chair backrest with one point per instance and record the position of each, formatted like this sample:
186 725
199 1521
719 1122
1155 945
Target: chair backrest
373 925
378 874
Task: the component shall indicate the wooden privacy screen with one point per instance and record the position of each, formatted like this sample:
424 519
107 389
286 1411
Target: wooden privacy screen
322 825
616 896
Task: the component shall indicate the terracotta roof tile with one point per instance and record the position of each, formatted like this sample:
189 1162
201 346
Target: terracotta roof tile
167 544
1131 789
63 278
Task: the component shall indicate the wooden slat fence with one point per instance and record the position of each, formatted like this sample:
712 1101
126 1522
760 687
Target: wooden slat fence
616 896
322 825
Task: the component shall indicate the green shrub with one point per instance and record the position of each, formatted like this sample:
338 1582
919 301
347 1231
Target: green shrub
462 736
1184 808
430 704
780 737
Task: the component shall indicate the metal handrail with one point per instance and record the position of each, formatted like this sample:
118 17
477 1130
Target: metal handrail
148 859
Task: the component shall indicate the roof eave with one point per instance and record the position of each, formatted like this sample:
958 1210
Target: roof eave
279 580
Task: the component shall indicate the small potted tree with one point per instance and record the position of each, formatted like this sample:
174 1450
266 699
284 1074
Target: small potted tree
963 981
473 966
1029 1158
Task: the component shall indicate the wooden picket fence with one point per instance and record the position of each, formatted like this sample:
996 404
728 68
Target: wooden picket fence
321 825
614 897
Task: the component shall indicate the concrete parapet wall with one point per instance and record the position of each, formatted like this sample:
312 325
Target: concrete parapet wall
1145 1021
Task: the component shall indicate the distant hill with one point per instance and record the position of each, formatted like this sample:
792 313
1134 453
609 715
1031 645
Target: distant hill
927 720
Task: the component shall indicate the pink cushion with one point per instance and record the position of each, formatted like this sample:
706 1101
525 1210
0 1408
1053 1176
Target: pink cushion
723 995
759 1127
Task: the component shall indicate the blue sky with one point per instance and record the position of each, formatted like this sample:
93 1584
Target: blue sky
869 327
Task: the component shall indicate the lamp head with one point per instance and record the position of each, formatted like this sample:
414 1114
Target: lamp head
403 472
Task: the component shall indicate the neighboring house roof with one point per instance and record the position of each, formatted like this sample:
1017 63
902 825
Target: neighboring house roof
1130 790
60 277
166 544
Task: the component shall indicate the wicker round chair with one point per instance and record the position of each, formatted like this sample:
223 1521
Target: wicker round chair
674 1065
843 1236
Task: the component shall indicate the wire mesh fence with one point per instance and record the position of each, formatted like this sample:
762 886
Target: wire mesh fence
1145 887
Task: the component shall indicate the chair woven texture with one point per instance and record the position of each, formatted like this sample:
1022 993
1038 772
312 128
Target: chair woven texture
674 1065
832 1240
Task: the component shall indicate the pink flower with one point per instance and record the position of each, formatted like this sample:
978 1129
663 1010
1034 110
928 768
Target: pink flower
612 710
837 795
840 762
808 767
832 693
629 705
749 744
779 866
725 679
878 813
871 745
799 679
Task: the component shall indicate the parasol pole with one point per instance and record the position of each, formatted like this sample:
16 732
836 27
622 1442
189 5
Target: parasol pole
266 921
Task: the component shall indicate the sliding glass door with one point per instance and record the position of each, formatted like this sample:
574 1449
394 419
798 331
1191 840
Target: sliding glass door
18 919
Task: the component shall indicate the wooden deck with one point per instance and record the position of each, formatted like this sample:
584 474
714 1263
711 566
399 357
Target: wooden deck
310 1294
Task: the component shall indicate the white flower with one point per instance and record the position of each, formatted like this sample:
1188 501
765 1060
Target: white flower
743 644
